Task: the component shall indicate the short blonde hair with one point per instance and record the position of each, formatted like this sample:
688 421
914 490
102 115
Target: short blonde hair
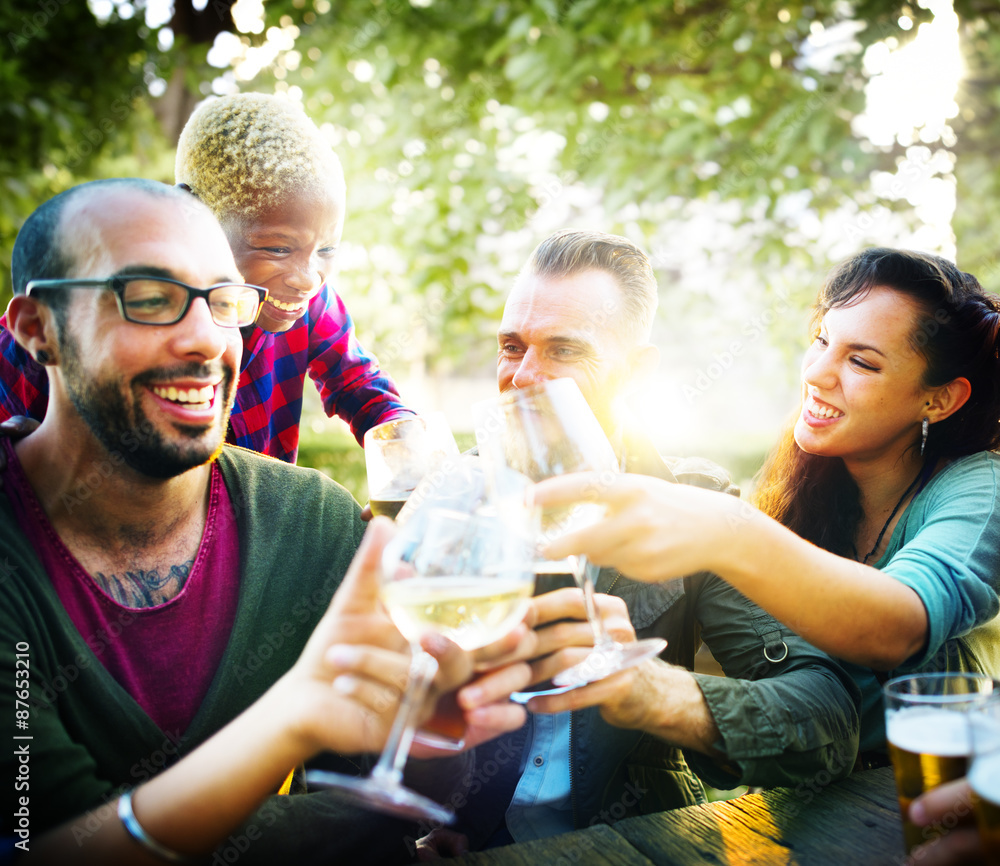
241 154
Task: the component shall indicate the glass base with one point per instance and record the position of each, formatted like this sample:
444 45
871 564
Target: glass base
603 663
524 697
383 796
438 741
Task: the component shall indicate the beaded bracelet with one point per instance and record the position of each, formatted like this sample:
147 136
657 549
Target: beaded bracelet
136 831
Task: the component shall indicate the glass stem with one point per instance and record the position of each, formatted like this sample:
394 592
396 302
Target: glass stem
389 769
603 642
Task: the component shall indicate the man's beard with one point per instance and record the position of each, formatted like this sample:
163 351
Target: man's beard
130 434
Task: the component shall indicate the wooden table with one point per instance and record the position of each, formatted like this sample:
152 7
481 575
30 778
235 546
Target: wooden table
853 822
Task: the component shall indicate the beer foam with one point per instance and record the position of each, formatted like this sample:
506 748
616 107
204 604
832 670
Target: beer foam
985 777
944 733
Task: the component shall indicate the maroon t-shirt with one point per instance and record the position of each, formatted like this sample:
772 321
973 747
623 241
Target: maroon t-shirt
165 656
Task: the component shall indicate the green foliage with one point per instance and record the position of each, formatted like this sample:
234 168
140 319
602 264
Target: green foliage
335 453
467 128
73 98
459 123
338 456
977 175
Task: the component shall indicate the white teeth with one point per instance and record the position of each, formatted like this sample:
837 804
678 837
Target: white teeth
824 412
201 396
288 308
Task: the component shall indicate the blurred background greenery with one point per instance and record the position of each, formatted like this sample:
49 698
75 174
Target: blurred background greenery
746 145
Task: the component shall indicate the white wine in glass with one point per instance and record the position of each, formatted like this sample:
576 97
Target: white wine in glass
465 576
539 432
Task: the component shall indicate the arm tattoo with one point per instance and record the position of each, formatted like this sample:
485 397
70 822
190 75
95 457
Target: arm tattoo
140 589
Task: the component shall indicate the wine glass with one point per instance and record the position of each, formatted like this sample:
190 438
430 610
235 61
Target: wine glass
465 576
399 453
541 431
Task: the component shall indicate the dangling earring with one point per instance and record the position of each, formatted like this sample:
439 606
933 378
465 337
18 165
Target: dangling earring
924 427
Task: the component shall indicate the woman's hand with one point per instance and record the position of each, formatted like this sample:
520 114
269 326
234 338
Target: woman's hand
652 530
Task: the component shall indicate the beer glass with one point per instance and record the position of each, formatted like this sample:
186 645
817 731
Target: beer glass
984 775
399 453
927 728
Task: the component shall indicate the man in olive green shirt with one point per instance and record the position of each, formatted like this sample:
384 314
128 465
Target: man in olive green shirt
785 714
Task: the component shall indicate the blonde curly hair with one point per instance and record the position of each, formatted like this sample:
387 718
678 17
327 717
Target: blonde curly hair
241 154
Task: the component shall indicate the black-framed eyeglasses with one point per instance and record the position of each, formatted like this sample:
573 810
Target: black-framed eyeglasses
164 301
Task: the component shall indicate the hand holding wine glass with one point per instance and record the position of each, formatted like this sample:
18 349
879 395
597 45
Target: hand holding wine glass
467 577
541 432
356 649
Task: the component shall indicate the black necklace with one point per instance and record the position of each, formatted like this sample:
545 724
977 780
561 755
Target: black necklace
921 474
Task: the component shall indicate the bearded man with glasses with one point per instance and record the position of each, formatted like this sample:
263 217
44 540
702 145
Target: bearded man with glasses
166 646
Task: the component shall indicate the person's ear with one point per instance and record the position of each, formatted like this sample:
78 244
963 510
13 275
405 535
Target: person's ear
32 325
947 400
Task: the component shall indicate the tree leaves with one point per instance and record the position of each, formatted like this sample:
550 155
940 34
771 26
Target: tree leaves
483 122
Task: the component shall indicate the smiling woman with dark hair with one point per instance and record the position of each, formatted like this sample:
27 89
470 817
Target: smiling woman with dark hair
877 528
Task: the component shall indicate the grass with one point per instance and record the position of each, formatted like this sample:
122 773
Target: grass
339 456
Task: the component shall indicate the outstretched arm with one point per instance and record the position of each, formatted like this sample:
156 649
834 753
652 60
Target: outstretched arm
341 694
655 531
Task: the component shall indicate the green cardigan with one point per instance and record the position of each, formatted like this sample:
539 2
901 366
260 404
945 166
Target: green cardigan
90 740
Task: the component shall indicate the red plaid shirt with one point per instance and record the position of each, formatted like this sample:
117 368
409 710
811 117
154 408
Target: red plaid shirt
269 397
